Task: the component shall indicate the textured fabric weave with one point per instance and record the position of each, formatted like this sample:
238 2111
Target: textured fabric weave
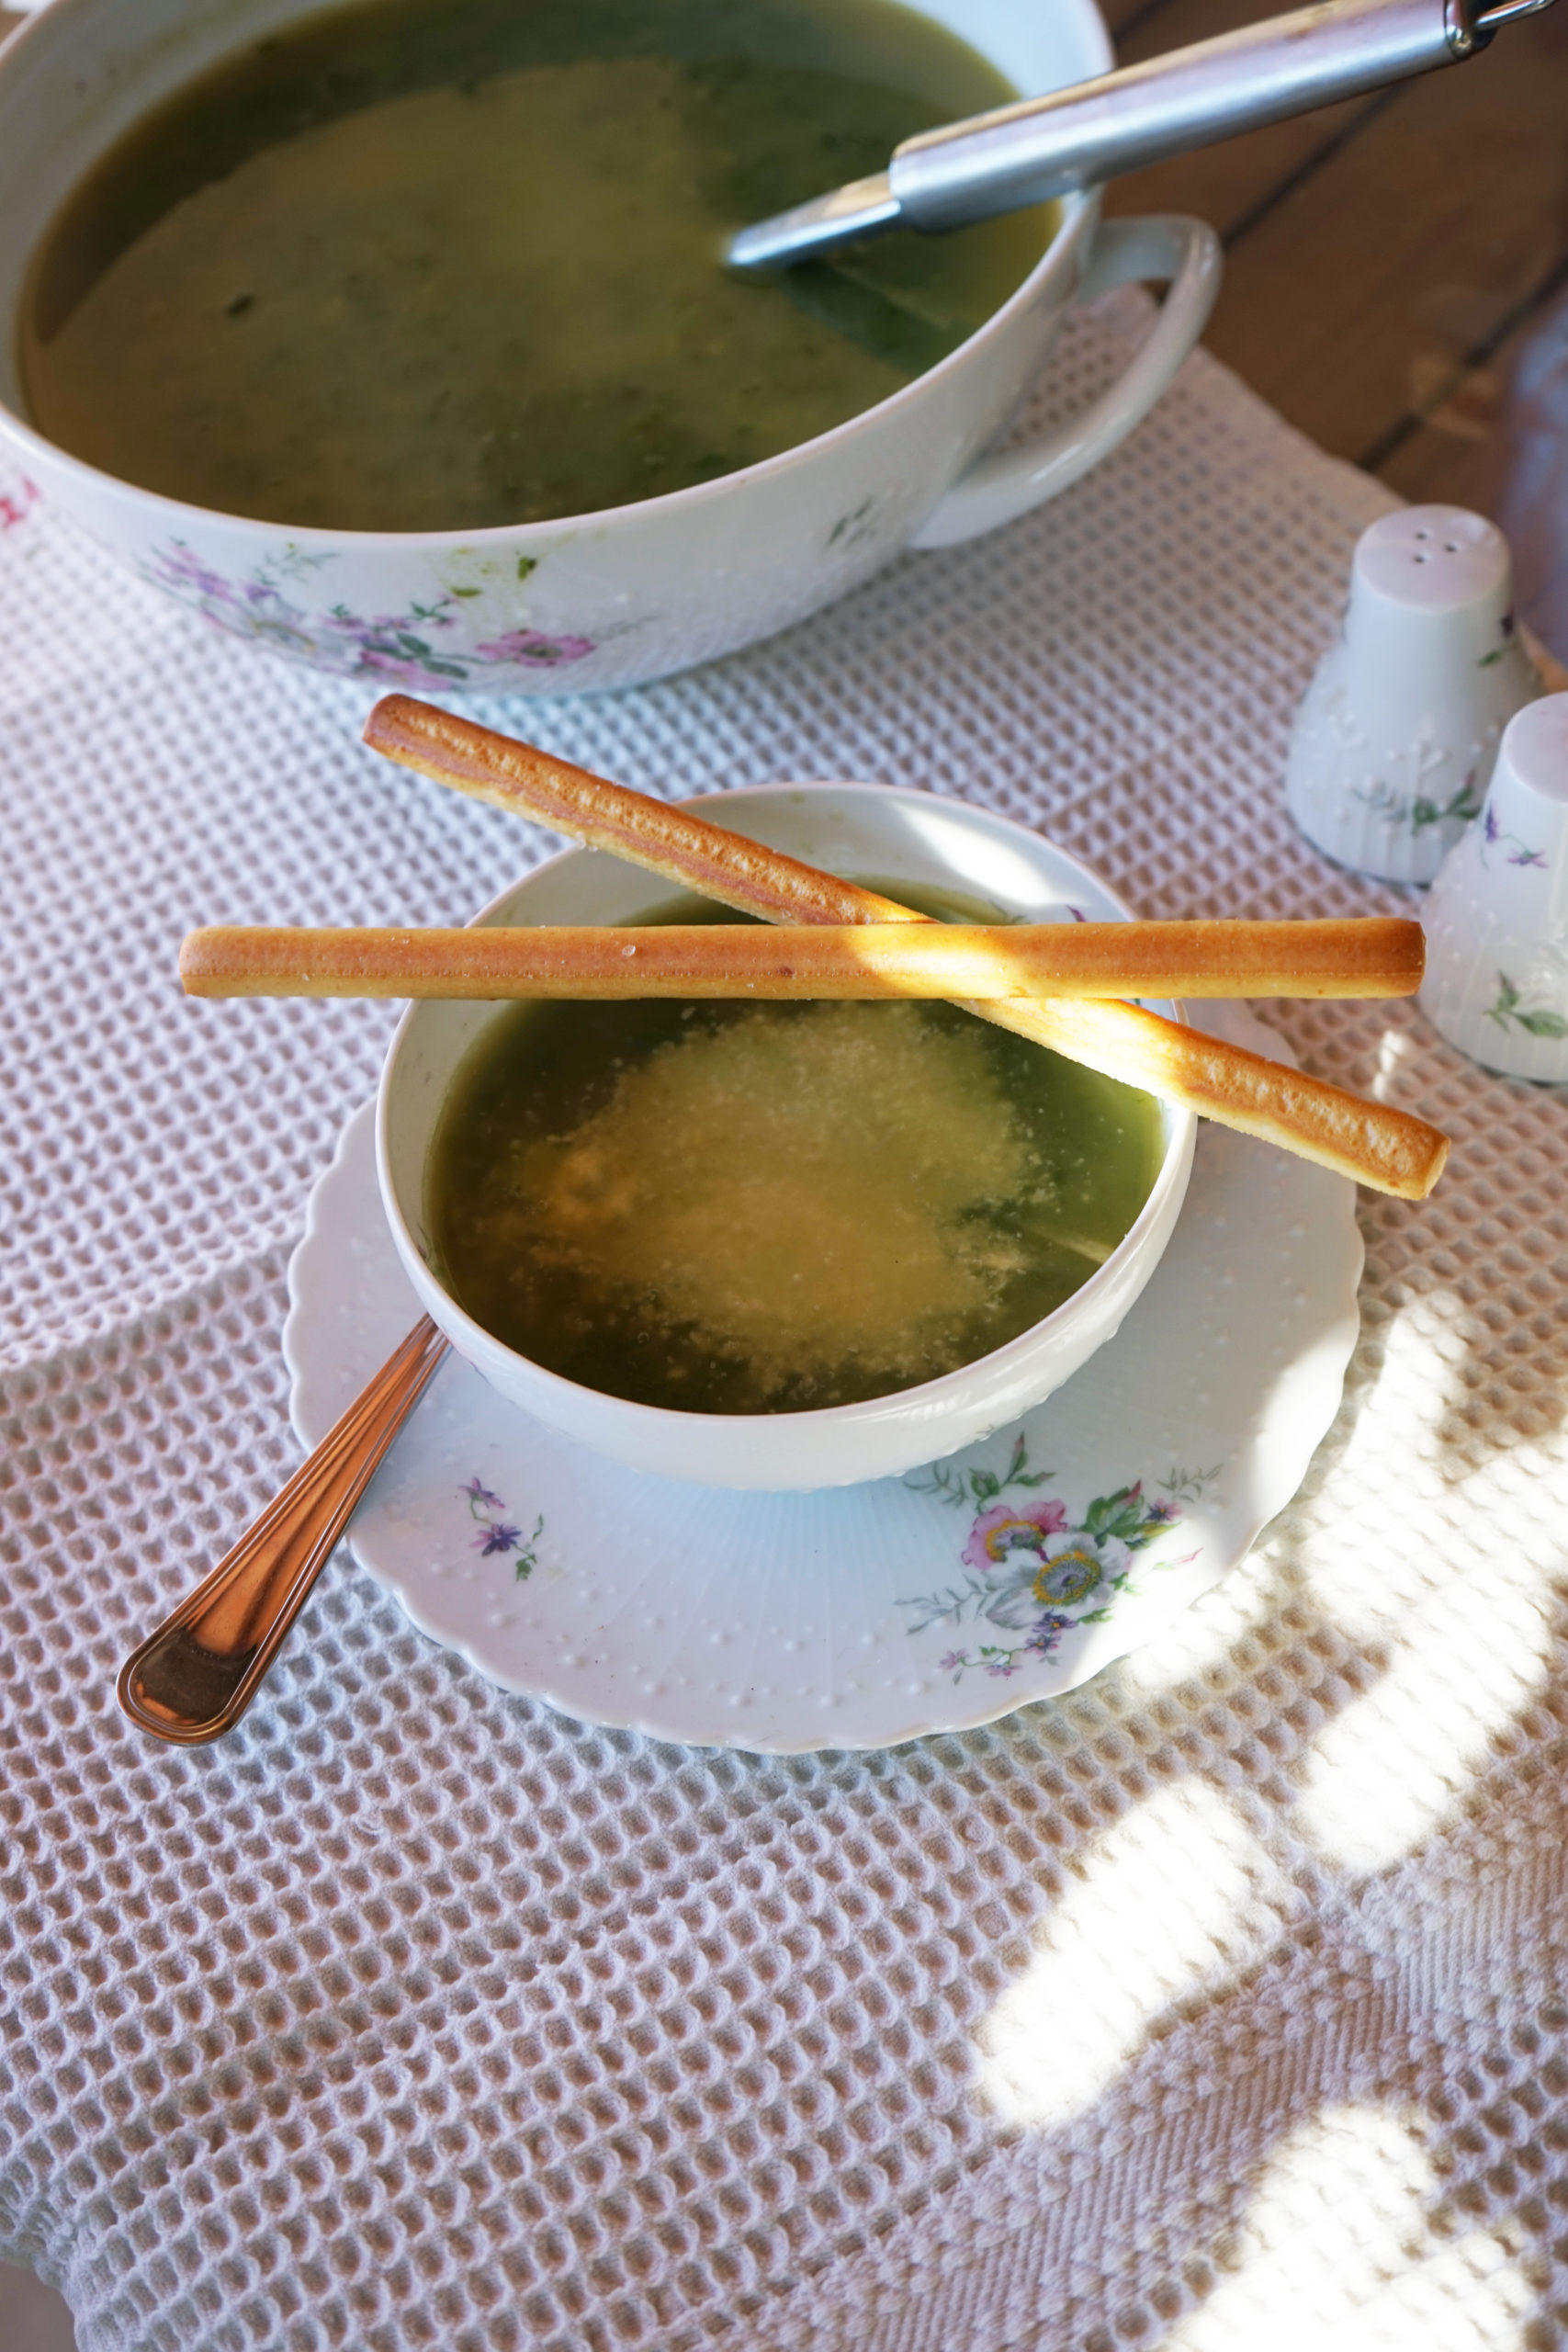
1225 2003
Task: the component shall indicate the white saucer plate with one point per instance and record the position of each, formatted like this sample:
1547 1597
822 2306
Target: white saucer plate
863 1615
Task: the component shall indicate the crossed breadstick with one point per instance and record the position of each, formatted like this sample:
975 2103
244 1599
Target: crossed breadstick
845 941
1370 1142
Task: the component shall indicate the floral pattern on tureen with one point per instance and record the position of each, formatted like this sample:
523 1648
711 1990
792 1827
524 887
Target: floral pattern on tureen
399 648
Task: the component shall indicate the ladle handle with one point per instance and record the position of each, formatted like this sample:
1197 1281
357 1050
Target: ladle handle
195 1677
1189 97
1081 136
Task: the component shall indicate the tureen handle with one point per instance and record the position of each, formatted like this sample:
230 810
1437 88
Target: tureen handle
1160 245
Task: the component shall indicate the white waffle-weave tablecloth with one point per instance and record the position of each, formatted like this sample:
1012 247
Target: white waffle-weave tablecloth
1225 2003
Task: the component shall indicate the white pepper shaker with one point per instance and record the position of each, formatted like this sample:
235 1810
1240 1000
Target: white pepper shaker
1396 735
1496 921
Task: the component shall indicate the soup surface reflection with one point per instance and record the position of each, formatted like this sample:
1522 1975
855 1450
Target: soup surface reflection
415 268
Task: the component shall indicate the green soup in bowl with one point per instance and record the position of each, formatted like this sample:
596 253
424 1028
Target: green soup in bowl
404 268
723 1207
794 1253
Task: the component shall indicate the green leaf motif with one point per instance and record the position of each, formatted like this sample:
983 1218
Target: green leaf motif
527 1556
1535 1023
1121 1515
1463 806
973 1487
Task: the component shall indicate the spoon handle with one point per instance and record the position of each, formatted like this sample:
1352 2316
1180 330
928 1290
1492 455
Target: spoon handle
195 1677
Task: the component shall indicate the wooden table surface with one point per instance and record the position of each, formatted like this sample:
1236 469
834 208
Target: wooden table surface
1396 278
1396 275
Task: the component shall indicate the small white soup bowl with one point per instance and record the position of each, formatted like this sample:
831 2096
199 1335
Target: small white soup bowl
630 592
867 832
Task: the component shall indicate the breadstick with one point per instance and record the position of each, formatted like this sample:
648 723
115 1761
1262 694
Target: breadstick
1373 1144
1380 955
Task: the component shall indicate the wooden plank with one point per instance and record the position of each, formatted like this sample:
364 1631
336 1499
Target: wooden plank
1124 16
1496 439
1369 281
1456 450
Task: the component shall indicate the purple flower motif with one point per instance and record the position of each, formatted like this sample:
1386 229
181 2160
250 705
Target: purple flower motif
1001 1668
1046 1631
1489 824
1526 857
1002 1529
497 1539
535 650
182 567
952 1661
498 1536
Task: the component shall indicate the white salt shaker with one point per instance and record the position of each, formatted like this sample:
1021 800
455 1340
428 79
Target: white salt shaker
1397 734
1496 922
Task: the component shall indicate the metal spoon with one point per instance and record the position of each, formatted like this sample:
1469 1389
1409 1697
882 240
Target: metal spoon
196 1675
1040 148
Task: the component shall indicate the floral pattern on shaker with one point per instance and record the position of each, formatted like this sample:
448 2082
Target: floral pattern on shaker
1510 1011
1458 810
497 1534
1418 810
1035 1570
1489 661
1518 852
402 648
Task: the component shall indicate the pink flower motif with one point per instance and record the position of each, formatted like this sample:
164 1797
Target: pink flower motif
14 510
397 670
1002 1529
535 650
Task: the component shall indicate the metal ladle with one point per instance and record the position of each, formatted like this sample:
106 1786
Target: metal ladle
1023 154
